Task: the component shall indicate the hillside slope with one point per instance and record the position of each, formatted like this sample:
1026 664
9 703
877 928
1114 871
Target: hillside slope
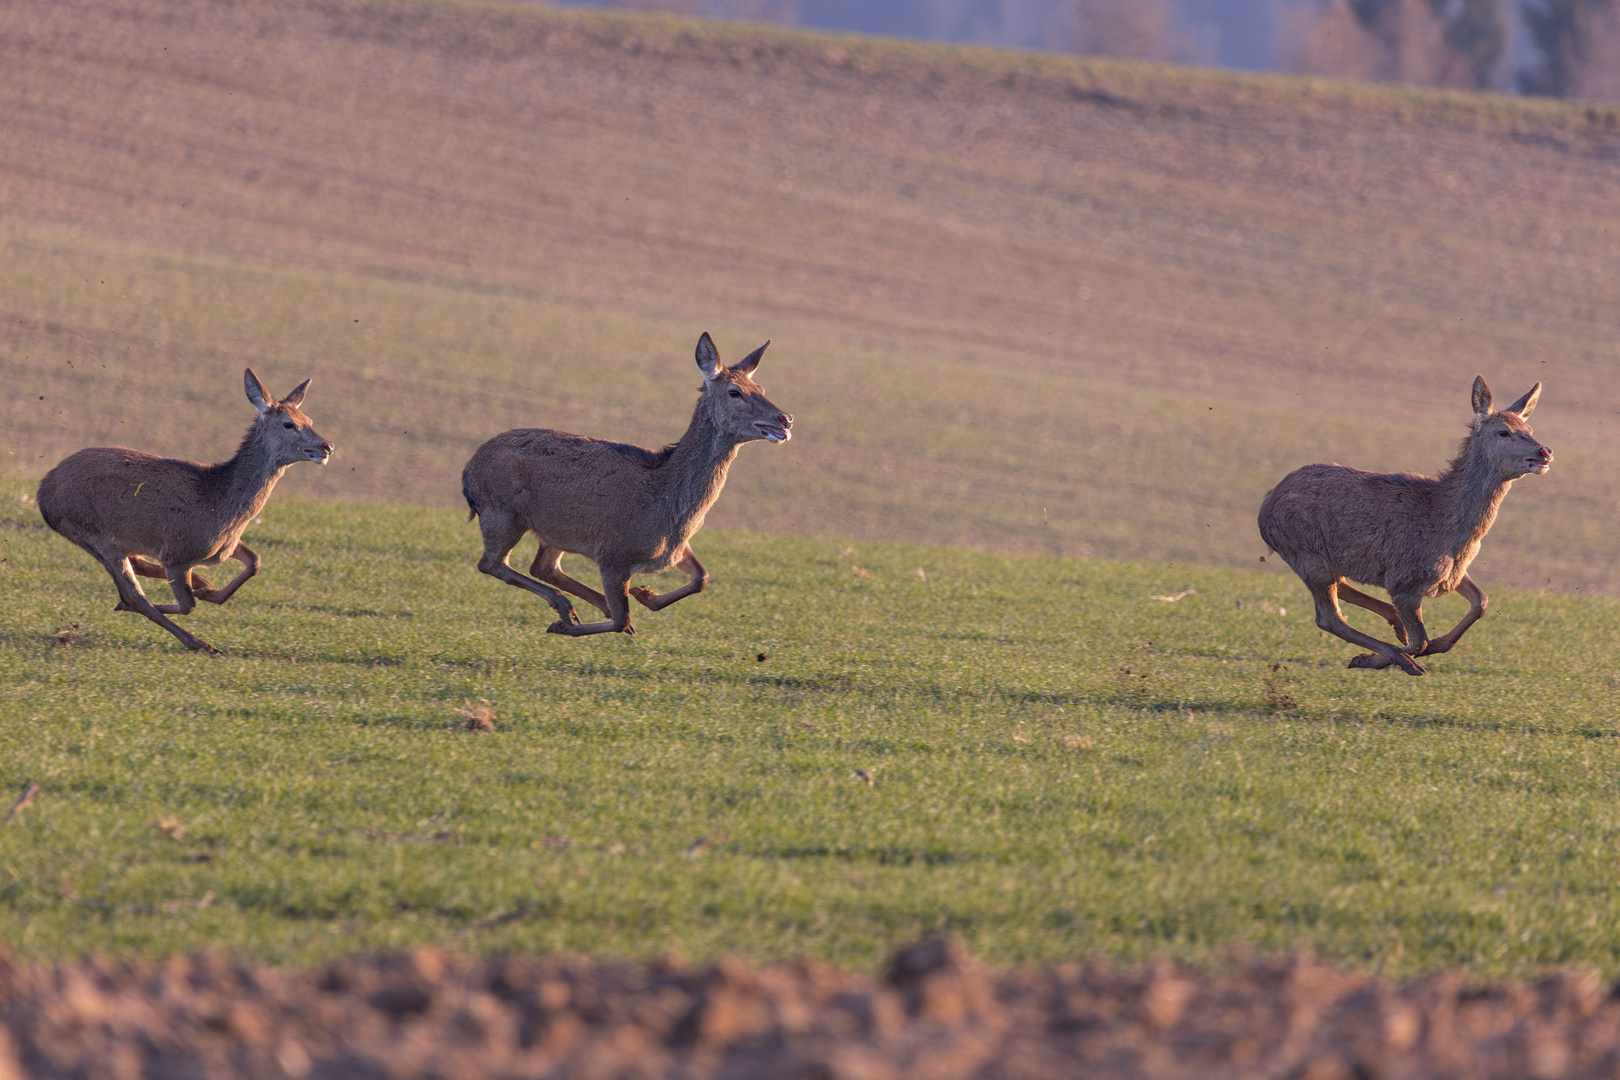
1018 301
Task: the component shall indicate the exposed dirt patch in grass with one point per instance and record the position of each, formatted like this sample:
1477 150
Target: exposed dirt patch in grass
933 1013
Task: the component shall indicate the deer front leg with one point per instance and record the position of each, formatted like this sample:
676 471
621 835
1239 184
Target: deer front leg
180 585
1476 607
250 566
1410 610
1384 611
131 598
616 591
697 578
1331 619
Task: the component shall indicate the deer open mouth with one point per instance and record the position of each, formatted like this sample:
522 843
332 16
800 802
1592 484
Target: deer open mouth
773 432
320 457
1539 467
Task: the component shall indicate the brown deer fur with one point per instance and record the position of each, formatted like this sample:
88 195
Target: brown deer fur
1411 535
628 509
160 517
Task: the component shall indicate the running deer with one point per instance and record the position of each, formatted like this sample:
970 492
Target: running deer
628 509
161 517
1411 535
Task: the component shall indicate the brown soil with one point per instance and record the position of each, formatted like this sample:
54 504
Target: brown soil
933 1015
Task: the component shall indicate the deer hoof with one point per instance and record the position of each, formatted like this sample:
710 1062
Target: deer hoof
204 648
1371 661
564 626
628 629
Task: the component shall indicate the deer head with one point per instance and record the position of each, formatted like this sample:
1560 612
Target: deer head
1503 438
734 403
287 432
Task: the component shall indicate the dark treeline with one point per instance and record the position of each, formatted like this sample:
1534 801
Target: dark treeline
1563 48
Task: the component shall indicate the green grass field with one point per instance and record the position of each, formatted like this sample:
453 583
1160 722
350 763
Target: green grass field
1063 766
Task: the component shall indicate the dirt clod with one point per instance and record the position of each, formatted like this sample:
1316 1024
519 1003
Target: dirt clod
69 635
479 717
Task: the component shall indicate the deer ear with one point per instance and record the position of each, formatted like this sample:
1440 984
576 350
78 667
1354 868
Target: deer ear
1482 397
708 358
256 392
1525 405
747 364
296 398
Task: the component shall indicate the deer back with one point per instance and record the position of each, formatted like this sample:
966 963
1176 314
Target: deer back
179 512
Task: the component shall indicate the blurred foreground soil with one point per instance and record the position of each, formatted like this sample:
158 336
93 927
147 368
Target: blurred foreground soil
934 1014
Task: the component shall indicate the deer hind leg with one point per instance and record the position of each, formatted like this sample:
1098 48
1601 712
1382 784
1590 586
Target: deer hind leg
1331 619
180 585
250 566
1384 611
131 598
547 568
1410 611
615 589
147 568
697 578
501 535
1476 607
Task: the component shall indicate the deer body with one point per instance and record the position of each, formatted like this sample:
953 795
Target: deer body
1414 536
628 509
140 514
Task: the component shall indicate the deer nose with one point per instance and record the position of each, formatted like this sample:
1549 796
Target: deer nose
784 418
328 448
1546 453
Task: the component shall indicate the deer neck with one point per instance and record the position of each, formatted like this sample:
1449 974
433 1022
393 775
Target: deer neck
1471 494
696 470
243 484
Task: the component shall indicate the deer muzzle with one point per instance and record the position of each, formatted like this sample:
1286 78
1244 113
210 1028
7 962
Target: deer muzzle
777 431
1541 461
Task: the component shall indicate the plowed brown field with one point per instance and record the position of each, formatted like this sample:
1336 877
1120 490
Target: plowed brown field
933 1016
1019 301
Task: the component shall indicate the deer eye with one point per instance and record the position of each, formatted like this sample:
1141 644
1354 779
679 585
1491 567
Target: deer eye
736 392
289 425
1503 434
